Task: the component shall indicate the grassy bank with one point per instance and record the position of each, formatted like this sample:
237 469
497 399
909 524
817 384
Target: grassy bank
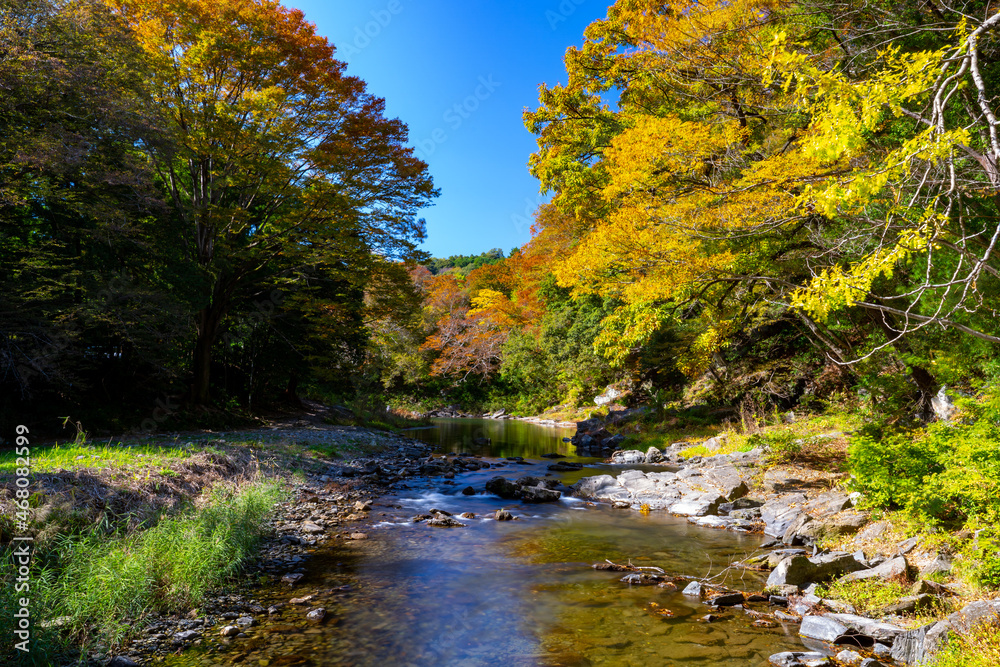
128 529
97 587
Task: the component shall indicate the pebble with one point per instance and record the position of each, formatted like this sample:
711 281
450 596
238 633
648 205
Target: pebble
316 615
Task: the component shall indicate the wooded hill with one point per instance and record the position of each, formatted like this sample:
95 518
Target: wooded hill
756 203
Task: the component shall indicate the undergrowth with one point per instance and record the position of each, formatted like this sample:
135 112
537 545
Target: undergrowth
978 648
99 588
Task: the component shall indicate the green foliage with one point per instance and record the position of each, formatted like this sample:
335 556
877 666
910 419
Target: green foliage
105 587
946 474
465 264
981 564
782 446
979 648
867 596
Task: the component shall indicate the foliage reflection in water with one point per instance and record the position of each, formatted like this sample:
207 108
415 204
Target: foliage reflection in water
507 593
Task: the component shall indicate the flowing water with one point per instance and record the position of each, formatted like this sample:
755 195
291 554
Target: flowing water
512 593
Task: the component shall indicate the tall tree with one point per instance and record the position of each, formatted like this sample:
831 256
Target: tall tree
278 158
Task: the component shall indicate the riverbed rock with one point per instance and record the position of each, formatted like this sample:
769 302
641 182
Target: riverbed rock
468 491
565 466
539 494
799 659
442 521
850 658
694 589
292 578
884 633
779 513
316 615
503 515
503 487
727 600
698 504
891 569
653 455
641 579
821 627
628 457
229 631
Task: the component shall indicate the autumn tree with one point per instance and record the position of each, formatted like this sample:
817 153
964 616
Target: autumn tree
776 161
278 158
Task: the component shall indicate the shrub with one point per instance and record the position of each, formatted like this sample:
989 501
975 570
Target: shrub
948 473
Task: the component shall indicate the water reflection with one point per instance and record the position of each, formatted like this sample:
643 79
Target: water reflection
509 593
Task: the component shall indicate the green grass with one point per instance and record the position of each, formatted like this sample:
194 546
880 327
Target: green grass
728 447
978 648
68 456
102 587
867 595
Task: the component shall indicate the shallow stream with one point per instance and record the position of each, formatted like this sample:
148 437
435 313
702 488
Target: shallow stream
517 592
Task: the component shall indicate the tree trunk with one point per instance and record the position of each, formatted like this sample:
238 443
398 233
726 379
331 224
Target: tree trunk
209 319
926 384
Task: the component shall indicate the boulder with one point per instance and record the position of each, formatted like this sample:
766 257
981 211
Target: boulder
502 487
779 513
698 505
890 569
791 571
792 535
973 614
940 565
653 455
911 604
595 487
796 570
842 523
821 627
539 494
727 480
713 444
884 633
609 395
628 457
799 659
913 647
829 503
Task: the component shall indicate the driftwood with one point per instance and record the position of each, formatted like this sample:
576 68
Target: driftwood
617 567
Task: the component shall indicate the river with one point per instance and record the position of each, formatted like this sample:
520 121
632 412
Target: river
517 592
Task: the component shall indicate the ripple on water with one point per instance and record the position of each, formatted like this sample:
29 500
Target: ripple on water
508 593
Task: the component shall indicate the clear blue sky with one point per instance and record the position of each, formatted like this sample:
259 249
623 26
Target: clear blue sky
488 57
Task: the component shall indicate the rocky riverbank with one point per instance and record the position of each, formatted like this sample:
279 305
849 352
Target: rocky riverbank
802 510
